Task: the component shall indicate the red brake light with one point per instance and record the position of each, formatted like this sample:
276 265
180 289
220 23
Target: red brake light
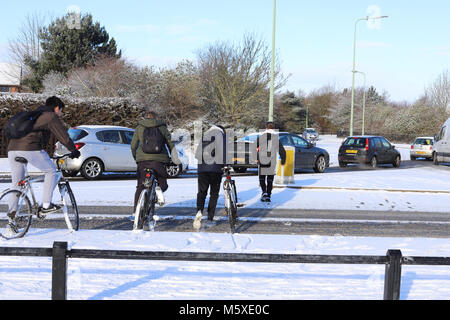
431 147
367 144
147 175
79 145
412 147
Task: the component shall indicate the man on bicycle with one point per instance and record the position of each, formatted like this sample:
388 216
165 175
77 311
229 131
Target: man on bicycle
211 155
148 147
32 148
268 145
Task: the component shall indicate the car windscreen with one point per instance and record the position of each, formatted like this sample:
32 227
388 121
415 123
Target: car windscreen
77 134
427 142
355 142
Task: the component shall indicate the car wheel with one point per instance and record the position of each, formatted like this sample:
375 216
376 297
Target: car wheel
320 165
92 169
239 169
435 159
173 170
396 162
373 162
67 173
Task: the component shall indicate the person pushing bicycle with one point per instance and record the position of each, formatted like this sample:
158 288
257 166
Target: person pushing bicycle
148 147
32 148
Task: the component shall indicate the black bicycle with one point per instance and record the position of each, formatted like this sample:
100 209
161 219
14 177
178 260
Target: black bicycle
231 201
19 209
145 207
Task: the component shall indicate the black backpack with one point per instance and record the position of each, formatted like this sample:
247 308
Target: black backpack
153 140
21 124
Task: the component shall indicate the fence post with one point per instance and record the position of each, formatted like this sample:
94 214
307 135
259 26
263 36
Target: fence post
393 275
59 271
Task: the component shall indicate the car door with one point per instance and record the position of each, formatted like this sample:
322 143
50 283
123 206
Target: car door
442 146
378 150
389 153
112 149
304 155
129 162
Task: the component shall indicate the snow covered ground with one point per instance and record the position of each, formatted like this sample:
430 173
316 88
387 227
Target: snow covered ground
394 189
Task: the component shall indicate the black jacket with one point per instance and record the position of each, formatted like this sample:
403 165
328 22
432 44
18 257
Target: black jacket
266 137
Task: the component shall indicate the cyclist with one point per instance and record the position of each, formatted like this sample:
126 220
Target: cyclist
32 148
211 157
268 146
148 147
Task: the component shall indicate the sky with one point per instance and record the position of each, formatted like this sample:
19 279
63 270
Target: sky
401 55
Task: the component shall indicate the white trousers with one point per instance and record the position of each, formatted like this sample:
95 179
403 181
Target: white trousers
40 160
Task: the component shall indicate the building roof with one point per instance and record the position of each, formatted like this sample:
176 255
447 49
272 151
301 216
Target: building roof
10 74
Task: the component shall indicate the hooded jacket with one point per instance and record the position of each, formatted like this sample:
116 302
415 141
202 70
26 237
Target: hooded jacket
47 123
138 137
203 166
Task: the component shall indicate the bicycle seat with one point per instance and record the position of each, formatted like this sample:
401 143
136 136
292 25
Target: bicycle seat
21 160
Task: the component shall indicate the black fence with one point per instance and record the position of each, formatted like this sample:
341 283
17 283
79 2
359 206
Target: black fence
60 254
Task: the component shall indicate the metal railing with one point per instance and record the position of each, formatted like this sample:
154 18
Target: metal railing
60 254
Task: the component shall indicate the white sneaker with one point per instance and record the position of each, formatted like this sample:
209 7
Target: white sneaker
197 221
159 196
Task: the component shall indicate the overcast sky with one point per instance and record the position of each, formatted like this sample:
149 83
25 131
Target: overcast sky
314 39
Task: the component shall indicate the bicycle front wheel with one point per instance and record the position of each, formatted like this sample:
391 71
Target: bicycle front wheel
141 209
15 207
70 208
231 205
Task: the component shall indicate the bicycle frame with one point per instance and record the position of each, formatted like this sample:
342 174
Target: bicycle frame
149 193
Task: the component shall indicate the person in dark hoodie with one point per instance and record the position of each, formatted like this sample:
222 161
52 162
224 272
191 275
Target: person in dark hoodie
32 148
211 155
155 161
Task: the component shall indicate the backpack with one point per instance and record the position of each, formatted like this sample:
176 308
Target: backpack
21 124
153 140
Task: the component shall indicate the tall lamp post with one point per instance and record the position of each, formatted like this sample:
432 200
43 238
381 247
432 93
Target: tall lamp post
354 66
272 69
364 103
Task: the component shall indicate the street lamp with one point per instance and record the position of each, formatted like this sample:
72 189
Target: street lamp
364 102
354 63
272 69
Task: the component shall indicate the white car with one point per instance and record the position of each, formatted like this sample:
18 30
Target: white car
422 147
441 147
106 149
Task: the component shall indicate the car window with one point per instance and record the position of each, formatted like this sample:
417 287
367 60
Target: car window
127 136
77 134
442 133
299 142
422 141
355 142
385 143
378 143
285 141
110 136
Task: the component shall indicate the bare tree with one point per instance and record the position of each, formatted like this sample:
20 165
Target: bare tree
438 93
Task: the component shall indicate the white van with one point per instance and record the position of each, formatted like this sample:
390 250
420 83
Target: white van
441 147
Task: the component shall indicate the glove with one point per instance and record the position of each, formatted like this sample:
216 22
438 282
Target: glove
75 154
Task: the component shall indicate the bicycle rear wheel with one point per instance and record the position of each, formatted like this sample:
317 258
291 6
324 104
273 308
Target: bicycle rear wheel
21 213
139 214
231 205
70 208
150 222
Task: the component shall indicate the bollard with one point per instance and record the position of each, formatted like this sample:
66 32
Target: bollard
393 274
59 271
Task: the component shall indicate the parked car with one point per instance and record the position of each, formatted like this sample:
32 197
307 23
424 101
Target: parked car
372 150
106 148
441 147
310 134
422 147
307 156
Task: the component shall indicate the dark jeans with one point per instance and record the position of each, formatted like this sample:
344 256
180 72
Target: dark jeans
160 174
212 181
266 187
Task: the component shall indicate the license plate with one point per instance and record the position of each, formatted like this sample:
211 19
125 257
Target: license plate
351 151
239 159
420 152
61 161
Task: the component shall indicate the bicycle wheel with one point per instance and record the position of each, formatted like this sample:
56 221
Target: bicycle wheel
139 214
231 205
150 222
23 212
70 208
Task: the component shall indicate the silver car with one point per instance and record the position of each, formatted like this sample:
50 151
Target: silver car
106 149
310 134
422 147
